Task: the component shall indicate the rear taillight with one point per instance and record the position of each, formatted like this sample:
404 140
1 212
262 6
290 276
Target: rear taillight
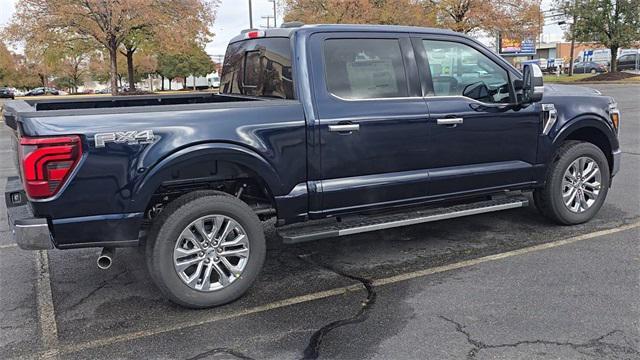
47 163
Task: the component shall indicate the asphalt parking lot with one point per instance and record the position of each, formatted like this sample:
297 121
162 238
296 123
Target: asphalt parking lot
507 285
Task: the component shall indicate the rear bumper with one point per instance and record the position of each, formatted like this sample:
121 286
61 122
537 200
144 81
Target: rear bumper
29 232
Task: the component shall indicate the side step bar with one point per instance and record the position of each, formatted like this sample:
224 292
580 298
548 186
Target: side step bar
296 233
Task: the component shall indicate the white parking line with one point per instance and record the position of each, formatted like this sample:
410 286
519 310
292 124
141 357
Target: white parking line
9 246
46 311
71 348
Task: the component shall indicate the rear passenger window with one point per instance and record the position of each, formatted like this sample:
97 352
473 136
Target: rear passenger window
365 68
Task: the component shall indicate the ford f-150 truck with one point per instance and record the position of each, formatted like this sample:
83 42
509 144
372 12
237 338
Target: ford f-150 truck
329 130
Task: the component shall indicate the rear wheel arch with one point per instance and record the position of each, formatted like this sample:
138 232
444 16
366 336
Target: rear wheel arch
208 166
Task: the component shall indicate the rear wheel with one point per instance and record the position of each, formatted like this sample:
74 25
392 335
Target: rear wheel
577 184
205 249
593 71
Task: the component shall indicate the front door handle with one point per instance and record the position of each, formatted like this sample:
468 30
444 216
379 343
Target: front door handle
344 128
450 121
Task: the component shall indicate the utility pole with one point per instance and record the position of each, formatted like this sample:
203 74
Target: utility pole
573 37
274 13
573 42
573 45
268 18
250 16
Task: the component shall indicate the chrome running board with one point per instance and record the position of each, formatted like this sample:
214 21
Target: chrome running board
310 231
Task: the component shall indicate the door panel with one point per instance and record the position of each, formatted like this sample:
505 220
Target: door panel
491 144
372 122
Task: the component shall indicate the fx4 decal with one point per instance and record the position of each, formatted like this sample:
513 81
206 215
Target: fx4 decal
124 137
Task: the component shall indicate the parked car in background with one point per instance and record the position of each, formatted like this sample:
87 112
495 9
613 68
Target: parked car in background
6 93
588 67
628 62
43 91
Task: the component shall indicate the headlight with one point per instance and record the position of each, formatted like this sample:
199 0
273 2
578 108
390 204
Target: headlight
614 114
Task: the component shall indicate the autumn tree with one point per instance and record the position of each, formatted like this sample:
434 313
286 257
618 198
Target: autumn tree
72 63
513 17
7 65
400 12
507 16
18 71
110 22
614 24
175 25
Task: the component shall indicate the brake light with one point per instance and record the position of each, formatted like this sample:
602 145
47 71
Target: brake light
254 34
47 163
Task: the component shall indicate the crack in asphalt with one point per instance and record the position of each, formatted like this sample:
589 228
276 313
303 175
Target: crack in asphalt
631 153
216 351
312 350
597 344
98 288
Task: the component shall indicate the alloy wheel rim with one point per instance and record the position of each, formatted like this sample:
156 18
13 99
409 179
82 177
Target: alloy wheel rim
211 253
581 184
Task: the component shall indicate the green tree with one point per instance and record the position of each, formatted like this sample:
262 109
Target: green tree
168 67
614 24
194 61
197 63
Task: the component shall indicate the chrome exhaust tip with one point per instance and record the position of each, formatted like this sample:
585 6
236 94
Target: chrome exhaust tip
106 258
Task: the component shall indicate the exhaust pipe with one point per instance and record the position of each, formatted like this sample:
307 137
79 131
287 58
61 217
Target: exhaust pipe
106 258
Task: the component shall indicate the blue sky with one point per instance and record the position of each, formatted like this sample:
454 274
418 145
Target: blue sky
233 17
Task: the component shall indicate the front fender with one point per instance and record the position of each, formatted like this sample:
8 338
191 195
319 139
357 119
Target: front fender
204 155
585 121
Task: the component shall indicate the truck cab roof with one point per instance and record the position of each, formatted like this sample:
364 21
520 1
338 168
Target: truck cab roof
288 31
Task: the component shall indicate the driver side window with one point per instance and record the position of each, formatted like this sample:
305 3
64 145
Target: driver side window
460 70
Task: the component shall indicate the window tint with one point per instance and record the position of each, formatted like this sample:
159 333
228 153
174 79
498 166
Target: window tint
365 68
258 67
458 69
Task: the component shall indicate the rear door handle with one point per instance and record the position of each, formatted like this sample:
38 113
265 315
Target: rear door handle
344 128
450 121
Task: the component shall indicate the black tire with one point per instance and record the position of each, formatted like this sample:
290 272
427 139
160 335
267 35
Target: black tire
166 231
549 200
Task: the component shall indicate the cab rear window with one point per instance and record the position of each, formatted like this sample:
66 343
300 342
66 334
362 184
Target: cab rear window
258 67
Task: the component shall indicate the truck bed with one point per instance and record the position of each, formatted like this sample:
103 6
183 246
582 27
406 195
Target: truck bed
129 101
93 105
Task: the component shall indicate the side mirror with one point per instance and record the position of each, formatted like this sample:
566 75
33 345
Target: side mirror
532 87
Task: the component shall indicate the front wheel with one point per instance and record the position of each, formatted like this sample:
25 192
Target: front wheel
205 249
577 184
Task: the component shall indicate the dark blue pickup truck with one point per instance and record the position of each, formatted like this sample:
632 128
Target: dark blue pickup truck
330 130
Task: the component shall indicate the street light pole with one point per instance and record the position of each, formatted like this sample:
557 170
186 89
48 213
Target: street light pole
250 16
